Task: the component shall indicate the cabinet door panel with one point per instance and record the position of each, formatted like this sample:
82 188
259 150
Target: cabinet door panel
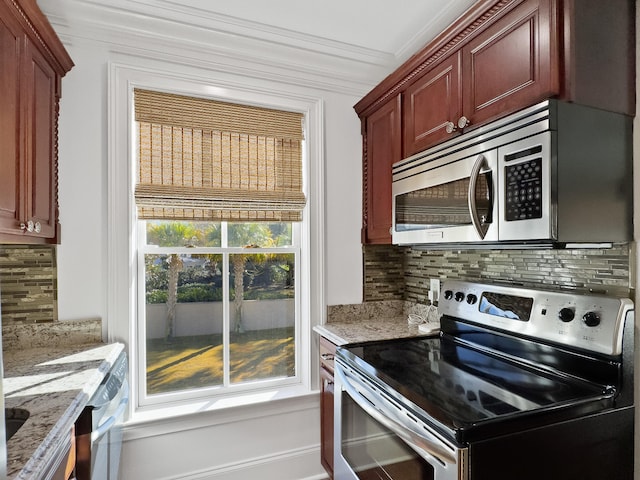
429 104
10 139
511 64
383 149
326 420
41 112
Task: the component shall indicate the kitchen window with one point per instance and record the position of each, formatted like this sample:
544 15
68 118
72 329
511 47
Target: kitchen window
220 306
220 249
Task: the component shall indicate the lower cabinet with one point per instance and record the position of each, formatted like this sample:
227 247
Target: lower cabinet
327 352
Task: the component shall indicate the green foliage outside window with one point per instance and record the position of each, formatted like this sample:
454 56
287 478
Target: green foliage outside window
199 277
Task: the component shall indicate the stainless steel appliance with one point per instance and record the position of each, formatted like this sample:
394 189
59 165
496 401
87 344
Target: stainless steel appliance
552 174
99 427
520 384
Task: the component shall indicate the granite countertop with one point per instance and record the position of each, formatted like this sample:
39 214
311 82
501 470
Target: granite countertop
369 321
54 384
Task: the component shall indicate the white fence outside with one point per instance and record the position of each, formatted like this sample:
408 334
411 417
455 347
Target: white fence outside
205 318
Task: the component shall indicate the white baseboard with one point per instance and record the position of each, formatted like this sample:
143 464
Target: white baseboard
299 464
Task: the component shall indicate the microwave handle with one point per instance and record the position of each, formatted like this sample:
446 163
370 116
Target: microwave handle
419 441
478 223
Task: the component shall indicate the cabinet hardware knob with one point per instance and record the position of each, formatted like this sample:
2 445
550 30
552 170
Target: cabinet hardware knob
38 227
463 122
29 226
450 127
327 356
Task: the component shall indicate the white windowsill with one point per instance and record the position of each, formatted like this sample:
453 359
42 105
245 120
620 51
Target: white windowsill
196 413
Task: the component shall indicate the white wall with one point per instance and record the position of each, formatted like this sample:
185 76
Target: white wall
275 440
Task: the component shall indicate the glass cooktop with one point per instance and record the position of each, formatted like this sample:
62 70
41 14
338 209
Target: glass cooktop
468 393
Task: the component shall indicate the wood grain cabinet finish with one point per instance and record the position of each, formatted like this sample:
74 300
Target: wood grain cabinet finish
382 148
511 64
497 58
507 66
32 63
327 353
432 106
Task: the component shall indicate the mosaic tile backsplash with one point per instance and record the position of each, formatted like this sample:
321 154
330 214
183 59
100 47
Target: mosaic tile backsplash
28 284
599 270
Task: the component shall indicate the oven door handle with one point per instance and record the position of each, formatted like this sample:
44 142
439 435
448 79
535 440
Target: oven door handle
423 442
479 224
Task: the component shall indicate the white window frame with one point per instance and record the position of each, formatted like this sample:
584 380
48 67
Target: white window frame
122 228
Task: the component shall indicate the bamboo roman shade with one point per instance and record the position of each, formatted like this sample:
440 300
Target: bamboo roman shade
202 159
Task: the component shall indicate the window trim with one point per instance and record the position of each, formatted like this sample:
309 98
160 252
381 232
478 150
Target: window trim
121 226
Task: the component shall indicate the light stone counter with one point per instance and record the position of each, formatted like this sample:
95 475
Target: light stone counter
53 382
369 321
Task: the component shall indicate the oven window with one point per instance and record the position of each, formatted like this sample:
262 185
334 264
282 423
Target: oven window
506 306
444 205
375 453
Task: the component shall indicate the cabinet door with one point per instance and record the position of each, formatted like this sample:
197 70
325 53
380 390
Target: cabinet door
512 64
326 421
327 354
11 187
40 121
430 104
383 149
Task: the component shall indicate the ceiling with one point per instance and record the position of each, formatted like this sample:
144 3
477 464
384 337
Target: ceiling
390 27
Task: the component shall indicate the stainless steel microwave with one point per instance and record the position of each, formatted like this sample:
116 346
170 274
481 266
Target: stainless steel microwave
553 174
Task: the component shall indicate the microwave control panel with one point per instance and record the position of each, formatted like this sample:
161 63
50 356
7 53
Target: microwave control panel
523 190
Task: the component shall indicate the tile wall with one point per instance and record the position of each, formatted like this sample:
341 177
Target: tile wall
606 270
28 284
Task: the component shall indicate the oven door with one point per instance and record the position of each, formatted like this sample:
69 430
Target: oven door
454 201
376 438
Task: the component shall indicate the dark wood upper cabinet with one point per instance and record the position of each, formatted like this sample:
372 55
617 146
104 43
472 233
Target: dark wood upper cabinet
431 105
10 144
499 57
32 64
383 148
511 64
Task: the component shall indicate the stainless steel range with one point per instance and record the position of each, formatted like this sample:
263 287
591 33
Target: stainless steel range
520 384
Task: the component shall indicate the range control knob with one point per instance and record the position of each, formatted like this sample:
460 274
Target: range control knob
448 294
459 296
591 319
471 299
566 314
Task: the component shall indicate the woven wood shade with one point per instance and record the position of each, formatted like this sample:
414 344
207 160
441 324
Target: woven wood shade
206 160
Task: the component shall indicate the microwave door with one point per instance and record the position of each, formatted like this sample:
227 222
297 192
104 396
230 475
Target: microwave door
451 203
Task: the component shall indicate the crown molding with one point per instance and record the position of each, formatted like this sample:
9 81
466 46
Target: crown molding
183 36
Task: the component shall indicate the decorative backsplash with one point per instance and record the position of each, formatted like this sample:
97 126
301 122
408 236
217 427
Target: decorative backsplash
383 273
599 270
28 284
